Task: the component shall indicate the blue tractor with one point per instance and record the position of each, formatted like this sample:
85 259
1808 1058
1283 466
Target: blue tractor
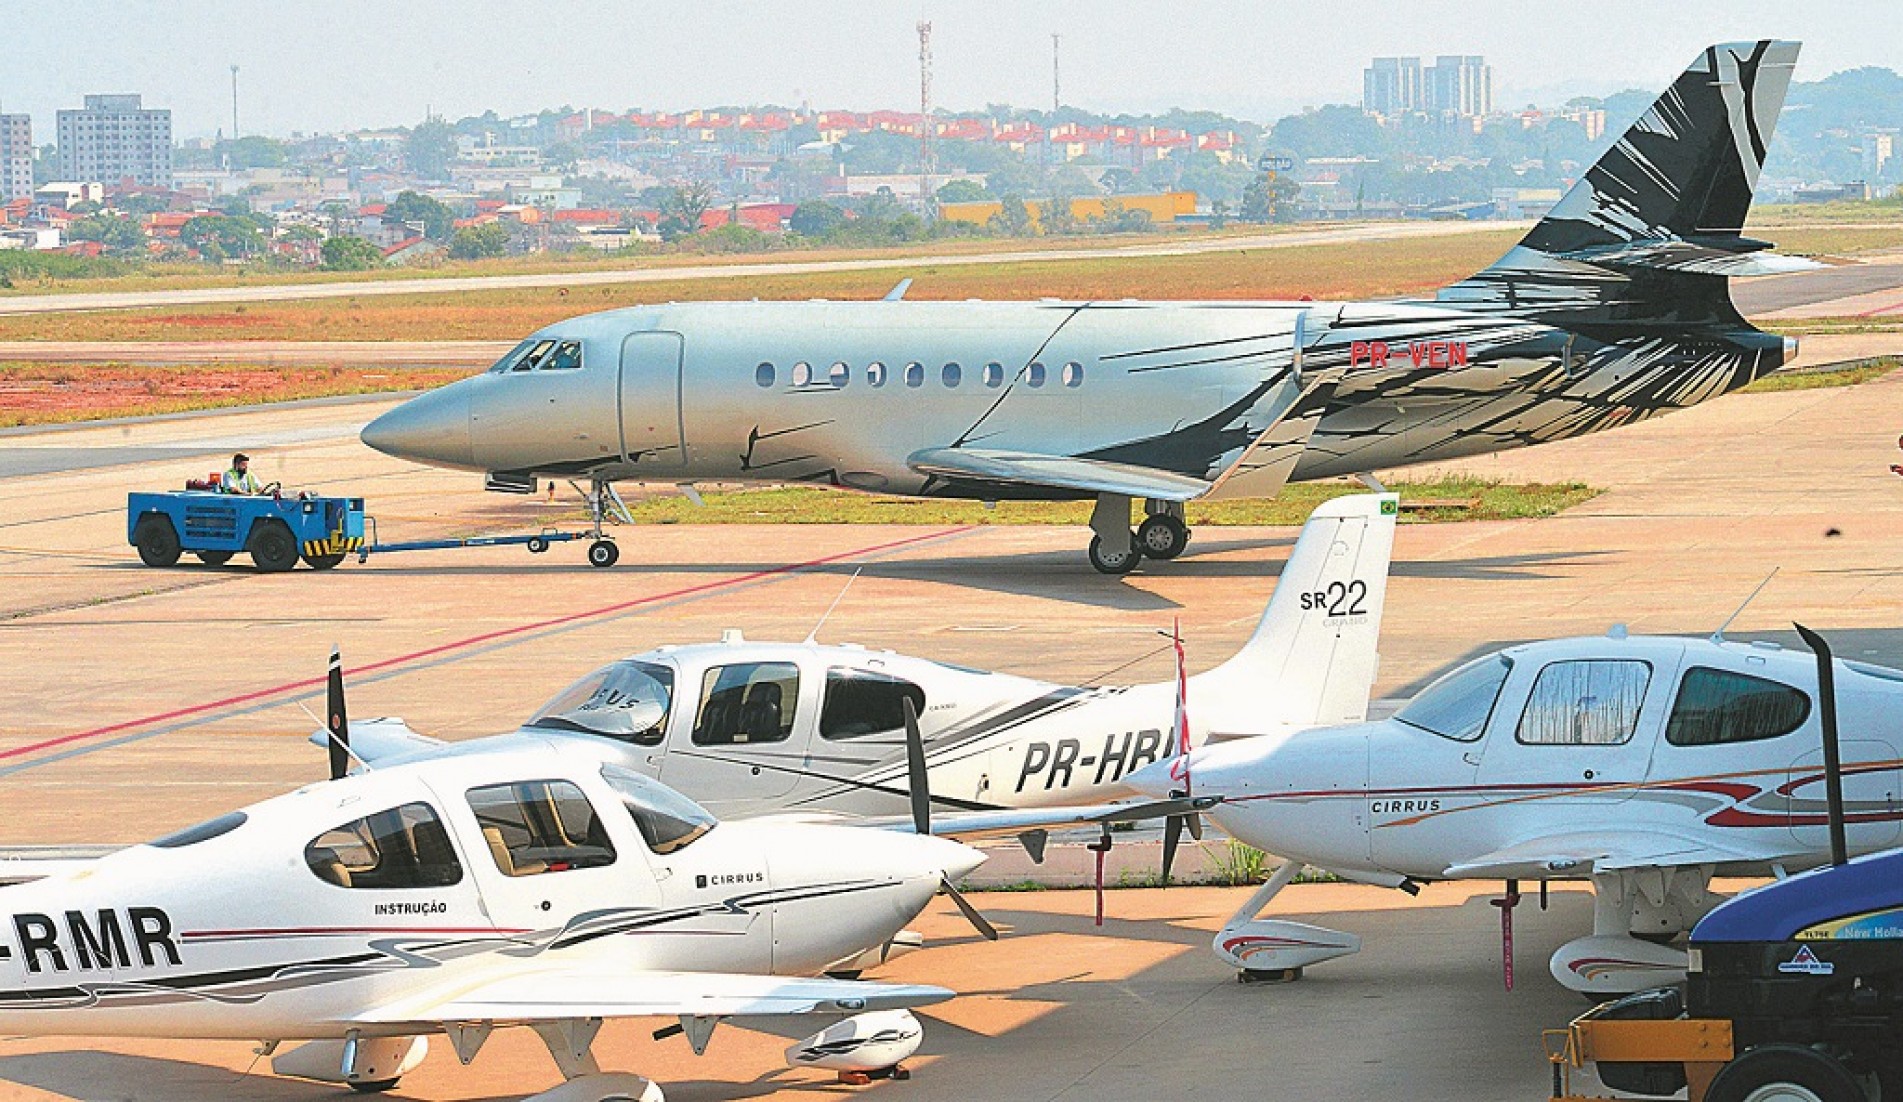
275 530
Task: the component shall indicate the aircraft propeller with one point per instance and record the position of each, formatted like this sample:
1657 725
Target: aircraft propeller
336 721
918 782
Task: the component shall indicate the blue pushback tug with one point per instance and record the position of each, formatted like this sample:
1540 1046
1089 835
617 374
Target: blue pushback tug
276 531
1794 991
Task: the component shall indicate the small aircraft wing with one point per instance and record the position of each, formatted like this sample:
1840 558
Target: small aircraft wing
1061 472
569 993
374 740
18 866
1017 820
1583 852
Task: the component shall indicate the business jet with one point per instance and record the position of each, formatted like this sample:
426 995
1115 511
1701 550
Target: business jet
751 728
1644 764
508 882
1613 309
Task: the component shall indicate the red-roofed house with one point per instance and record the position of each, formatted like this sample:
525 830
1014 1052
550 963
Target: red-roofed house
765 217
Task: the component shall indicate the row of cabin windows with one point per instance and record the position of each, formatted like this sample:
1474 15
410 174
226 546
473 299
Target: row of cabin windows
951 375
530 828
1596 702
755 702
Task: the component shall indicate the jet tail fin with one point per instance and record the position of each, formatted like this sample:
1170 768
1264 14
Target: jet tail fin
1312 659
1654 228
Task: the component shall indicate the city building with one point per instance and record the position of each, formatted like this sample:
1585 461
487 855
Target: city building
115 138
1391 86
16 157
1458 85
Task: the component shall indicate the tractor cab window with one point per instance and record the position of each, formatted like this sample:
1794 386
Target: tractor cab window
404 847
627 701
533 827
861 702
667 820
748 702
1458 705
1718 706
1585 703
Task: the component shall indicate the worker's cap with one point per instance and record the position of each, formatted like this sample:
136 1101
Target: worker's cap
240 458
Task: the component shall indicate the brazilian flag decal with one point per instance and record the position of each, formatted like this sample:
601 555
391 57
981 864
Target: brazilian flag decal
1390 507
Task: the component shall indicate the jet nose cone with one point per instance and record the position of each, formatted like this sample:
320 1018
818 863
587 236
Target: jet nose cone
429 428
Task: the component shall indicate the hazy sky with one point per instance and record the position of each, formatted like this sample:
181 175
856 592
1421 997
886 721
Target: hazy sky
350 64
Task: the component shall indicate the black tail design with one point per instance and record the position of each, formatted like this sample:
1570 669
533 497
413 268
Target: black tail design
1653 229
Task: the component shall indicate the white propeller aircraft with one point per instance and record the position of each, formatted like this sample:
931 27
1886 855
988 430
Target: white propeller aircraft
749 728
1644 764
1615 308
520 881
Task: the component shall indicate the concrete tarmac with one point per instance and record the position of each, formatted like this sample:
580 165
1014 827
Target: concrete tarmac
134 701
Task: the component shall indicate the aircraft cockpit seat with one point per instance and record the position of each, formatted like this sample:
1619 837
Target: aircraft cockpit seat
435 857
329 867
720 719
760 716
505 860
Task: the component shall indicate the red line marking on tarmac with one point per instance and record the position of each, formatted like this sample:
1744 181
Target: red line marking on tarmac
1879 310
485 637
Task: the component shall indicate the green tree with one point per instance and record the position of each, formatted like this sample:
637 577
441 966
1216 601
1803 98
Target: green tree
350 254
222 236
252 152
1013 217
429 149
1268 200
682 208
477 242
117 233
814 218
438 220
962 191
1119 181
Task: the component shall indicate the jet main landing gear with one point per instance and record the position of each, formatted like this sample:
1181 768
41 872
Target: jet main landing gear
1115 549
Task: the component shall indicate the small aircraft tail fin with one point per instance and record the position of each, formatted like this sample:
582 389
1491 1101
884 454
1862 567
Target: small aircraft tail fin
1312 659
1653 229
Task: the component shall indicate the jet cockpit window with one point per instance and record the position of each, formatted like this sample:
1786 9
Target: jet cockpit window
565 357
1459 704
404 847
628 701
528 357
533 827
514 356
667 820
1715 707
747 702
863 702
1585 703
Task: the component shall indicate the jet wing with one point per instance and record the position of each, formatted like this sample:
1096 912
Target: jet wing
1583 852
571 993
1061 472
374 740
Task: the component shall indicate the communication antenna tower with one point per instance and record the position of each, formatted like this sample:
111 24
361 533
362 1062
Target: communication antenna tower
1057 87
925 118
234 103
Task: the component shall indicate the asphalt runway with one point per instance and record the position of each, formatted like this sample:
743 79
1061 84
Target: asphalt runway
135 701
1761 297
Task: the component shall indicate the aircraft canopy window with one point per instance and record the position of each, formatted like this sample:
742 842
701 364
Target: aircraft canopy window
202 832
521 354
748 702
627 701
404 847
667 820
1458 705
1585 703
534 827
862 702
1717 706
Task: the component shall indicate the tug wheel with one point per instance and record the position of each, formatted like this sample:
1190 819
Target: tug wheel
157 542
1785 1073
537 545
